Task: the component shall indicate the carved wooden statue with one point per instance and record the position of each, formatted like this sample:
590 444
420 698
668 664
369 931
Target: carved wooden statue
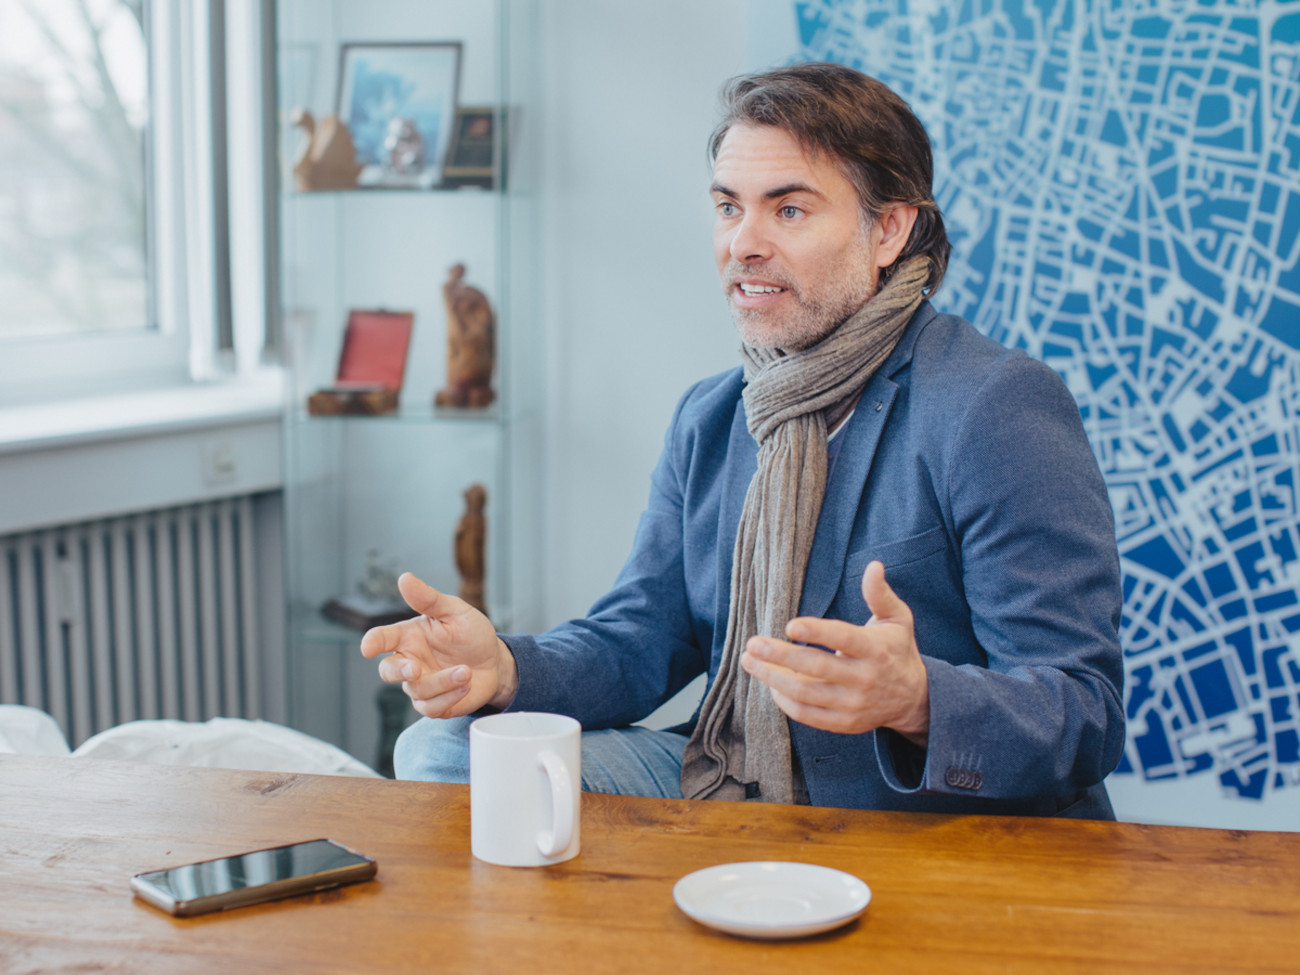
471 344
328 160
471 538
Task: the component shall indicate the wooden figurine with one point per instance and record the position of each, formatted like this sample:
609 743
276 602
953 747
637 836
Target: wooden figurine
471 537
328 160
471 343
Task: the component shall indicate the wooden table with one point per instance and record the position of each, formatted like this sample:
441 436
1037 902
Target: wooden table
951 894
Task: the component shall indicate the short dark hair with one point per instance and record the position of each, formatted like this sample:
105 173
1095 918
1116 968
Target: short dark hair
880 145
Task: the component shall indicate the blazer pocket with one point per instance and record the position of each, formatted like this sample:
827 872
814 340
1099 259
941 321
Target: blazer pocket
910 565
897 554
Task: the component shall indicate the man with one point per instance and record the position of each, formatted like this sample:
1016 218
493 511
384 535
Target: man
885 538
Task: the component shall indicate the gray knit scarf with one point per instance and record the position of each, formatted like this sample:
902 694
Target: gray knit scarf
741 745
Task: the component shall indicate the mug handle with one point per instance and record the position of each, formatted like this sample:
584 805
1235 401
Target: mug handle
553 842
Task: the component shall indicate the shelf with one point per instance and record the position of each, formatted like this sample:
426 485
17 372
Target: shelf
312 628
386 190
487 416
396 487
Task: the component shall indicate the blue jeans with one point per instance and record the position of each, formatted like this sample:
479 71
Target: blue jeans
631 761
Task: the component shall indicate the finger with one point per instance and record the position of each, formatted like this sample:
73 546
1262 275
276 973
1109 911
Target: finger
827 719
397 668
374 643
424 599
428 685
381 639
387 639
809 661
793 684
837 635
883 602
449 705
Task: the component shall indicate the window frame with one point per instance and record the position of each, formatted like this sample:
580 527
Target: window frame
189 294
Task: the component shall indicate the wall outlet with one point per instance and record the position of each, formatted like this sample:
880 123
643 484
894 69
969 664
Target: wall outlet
219 462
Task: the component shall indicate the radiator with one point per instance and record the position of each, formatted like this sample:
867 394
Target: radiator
150 615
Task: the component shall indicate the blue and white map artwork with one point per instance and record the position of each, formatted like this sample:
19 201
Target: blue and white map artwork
1121 183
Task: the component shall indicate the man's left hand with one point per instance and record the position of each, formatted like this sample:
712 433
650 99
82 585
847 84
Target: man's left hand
874 678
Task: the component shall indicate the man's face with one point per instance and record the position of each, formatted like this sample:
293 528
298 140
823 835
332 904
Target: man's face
794 255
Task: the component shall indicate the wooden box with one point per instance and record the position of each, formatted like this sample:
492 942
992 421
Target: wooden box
372 364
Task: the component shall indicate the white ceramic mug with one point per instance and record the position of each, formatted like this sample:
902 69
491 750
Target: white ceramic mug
525 781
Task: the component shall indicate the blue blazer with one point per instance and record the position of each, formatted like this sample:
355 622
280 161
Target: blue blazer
965 469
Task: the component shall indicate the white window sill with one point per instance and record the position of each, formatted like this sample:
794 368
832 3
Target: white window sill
78 460
148 413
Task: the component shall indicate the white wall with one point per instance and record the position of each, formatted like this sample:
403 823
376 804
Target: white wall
633 312
633 309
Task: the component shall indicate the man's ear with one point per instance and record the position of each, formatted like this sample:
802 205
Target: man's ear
895 228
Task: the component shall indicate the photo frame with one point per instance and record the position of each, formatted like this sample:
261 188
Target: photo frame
418 81
478 146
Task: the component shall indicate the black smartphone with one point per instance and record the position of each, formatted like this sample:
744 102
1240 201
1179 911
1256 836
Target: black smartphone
254 877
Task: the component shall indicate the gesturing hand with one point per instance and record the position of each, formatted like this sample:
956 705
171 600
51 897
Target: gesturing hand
875 677
449 659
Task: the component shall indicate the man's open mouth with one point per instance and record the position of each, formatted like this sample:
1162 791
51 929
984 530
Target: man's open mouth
754 290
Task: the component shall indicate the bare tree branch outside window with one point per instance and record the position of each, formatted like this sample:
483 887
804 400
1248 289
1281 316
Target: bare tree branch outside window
73 114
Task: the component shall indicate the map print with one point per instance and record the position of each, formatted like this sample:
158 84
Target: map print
1121 184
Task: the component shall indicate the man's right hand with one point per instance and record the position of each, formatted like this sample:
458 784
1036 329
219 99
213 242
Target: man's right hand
449 660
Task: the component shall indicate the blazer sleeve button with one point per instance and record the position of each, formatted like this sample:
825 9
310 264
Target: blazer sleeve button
963 778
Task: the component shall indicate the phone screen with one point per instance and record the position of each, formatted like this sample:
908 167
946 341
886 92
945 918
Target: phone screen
251 877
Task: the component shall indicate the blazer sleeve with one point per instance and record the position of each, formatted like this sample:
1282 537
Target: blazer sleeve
1040 572
637 646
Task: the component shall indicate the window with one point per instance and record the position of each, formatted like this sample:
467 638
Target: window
121 142
73 111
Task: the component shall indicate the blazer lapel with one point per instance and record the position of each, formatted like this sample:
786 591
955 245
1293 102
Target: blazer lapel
844 494
845 490
742 453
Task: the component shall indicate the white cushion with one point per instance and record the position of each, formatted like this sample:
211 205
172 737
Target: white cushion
29 731
235 743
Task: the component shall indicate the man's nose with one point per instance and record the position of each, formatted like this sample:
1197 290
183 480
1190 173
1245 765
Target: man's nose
751 242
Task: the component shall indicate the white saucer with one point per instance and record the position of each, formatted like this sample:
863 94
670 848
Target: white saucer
771 899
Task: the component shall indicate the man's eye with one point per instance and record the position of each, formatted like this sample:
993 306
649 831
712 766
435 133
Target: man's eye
790 212
727 209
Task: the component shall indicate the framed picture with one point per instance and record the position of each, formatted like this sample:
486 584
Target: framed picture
415 83
474 153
